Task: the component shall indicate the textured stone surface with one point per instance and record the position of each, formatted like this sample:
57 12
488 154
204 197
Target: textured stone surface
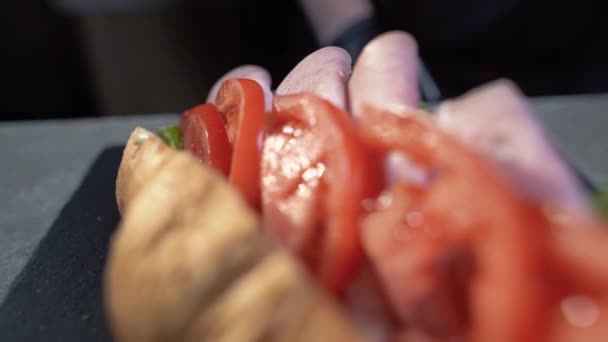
42 164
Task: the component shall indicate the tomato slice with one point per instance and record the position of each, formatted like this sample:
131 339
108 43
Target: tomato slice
241 102
580 263
460 254
205 136
315 174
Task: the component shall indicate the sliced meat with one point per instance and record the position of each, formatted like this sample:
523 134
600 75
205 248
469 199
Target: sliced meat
497 121
385 79
385 76
324 73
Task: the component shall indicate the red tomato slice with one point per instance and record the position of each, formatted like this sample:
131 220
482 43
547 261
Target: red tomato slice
581 312
460 255
315 173
205 136
241 101
465 255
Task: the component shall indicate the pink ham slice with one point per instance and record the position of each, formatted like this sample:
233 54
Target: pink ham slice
497 120
324 73
385 75
385 78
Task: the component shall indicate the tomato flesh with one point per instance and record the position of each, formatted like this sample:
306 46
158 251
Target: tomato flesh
459 255
205 137
579 267
315 174
241 101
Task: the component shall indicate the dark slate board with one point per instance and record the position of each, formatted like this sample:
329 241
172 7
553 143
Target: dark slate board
58 294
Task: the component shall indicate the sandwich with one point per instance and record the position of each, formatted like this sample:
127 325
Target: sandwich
304 223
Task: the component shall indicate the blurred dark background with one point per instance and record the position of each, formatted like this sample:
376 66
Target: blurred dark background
74 58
